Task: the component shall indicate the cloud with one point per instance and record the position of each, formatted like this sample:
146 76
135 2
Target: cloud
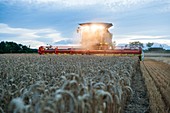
142 38
63 42
32 37
165 9
40 37
153 38
97 5
107 5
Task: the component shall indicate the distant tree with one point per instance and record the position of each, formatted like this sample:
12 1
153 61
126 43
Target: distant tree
2 46
12 47
114 43
136 44
126 45
149 44
161 45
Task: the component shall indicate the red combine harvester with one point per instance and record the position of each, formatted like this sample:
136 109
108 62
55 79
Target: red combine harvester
95 39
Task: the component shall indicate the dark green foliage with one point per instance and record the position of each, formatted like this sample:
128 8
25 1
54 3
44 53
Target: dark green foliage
12 47
136 43
149 44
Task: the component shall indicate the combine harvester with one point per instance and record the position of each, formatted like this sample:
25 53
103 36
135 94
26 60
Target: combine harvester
95 39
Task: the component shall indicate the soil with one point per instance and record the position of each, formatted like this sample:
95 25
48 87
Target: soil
160 74
139 102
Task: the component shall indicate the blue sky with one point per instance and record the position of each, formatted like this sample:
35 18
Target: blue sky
41 22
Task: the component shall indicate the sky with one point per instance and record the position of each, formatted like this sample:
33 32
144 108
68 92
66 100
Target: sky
54 22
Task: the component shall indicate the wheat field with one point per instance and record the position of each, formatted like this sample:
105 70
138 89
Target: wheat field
75 84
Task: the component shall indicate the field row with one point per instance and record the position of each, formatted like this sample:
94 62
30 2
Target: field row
157 79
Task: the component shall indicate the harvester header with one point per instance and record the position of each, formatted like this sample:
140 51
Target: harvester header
95 39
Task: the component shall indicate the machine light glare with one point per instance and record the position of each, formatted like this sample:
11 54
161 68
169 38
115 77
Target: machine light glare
97 27
85 28
92 28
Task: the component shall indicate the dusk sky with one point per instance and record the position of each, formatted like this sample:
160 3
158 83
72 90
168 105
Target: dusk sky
41 22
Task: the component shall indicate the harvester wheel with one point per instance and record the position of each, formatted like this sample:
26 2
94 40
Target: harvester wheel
140 58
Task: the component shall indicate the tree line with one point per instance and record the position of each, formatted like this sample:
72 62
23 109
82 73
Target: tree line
139 44
12 47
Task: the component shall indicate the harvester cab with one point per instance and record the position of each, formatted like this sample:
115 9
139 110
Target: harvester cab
95 36
95 39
